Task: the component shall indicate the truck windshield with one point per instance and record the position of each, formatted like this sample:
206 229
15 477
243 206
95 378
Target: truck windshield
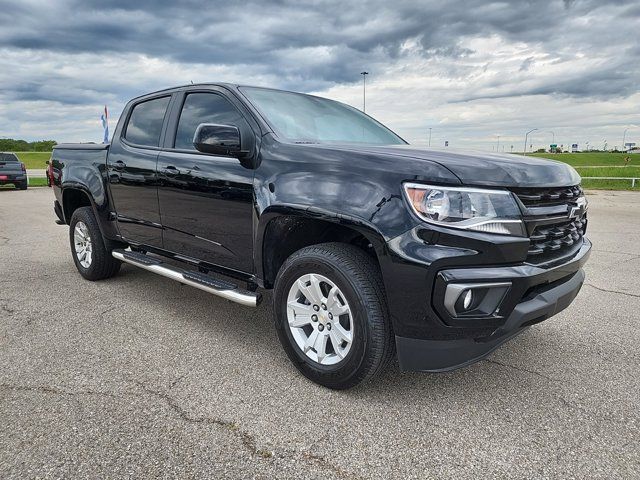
306 119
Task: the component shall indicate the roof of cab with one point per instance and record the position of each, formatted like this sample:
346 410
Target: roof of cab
189 85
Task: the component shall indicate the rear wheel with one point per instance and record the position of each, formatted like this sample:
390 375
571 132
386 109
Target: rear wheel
22 185
331 315
90 254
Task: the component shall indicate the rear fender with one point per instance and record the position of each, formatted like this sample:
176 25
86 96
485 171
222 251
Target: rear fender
97 200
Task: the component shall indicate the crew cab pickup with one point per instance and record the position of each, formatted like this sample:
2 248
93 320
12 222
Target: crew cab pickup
373 249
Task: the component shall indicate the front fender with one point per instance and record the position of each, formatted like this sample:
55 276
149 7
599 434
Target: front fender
274 212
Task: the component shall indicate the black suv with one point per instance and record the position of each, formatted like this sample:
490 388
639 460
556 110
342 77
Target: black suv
370 245
12 171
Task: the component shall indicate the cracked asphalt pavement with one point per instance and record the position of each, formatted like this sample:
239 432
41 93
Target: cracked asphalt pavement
140 377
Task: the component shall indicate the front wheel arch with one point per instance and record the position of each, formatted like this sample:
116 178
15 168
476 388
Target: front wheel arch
282 234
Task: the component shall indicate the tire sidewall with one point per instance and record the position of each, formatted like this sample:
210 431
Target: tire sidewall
352 363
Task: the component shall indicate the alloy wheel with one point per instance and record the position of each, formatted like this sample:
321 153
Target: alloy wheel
320 319
82 243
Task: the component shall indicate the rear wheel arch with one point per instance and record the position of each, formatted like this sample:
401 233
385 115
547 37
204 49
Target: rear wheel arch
74 198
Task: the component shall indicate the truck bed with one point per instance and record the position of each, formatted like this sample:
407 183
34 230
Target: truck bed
80 166
68 157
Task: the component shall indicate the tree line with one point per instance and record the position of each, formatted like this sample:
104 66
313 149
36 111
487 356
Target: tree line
13 145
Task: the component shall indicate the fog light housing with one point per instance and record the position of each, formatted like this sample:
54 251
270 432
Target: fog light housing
474 299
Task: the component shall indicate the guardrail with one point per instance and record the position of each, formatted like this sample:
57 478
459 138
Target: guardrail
632 179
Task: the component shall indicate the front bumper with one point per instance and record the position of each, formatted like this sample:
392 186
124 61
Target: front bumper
428 338
438 356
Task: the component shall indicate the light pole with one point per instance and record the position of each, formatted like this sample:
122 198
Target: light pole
364 90
498 147
624 138
553 142
525 140
429 136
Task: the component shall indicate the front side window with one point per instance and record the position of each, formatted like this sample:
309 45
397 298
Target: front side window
205 108
308 119
145 123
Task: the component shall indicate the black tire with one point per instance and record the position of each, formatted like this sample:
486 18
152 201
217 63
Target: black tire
22 186
358 277
102 264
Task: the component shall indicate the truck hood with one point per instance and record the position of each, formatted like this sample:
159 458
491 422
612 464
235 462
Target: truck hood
478 168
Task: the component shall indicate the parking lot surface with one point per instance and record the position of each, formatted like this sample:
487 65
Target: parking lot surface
140 377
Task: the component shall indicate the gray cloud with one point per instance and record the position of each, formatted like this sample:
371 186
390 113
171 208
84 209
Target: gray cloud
78 51
262 35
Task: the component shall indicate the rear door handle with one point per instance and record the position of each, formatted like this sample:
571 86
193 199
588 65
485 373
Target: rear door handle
119 165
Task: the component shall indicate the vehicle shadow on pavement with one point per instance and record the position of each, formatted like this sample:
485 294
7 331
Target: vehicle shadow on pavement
229 326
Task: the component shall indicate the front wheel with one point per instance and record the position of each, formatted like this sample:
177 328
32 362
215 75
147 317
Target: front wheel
331 315
90 254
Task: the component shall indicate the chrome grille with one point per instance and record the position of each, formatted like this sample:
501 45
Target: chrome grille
533 197
554 225
556 237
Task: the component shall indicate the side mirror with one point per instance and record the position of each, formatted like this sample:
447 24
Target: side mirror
218 140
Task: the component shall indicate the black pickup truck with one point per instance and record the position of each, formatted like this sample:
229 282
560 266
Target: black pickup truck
373 248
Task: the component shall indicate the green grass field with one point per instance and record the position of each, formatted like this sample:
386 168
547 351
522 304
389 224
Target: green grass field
34 159
591 158
37 182
608 165
33 182
609 184
630 171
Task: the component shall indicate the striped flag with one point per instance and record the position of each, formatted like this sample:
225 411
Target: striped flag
105 125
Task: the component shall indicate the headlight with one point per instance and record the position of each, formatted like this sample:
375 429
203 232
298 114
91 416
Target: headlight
482 210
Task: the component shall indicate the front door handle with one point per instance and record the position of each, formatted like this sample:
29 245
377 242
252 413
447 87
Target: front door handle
171 170
119 165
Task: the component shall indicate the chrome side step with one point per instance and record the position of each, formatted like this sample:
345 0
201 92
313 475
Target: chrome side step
198 280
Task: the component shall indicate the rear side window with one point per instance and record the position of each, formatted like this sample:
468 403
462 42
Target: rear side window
205 108
145 122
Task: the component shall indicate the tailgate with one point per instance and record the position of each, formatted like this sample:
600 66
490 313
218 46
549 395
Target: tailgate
10 169
9 164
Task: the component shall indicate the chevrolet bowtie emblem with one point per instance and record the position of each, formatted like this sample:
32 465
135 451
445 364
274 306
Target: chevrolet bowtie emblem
579 208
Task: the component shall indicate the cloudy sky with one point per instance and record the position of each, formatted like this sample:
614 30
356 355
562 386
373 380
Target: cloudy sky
470 70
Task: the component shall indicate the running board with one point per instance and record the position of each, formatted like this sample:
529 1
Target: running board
198 280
